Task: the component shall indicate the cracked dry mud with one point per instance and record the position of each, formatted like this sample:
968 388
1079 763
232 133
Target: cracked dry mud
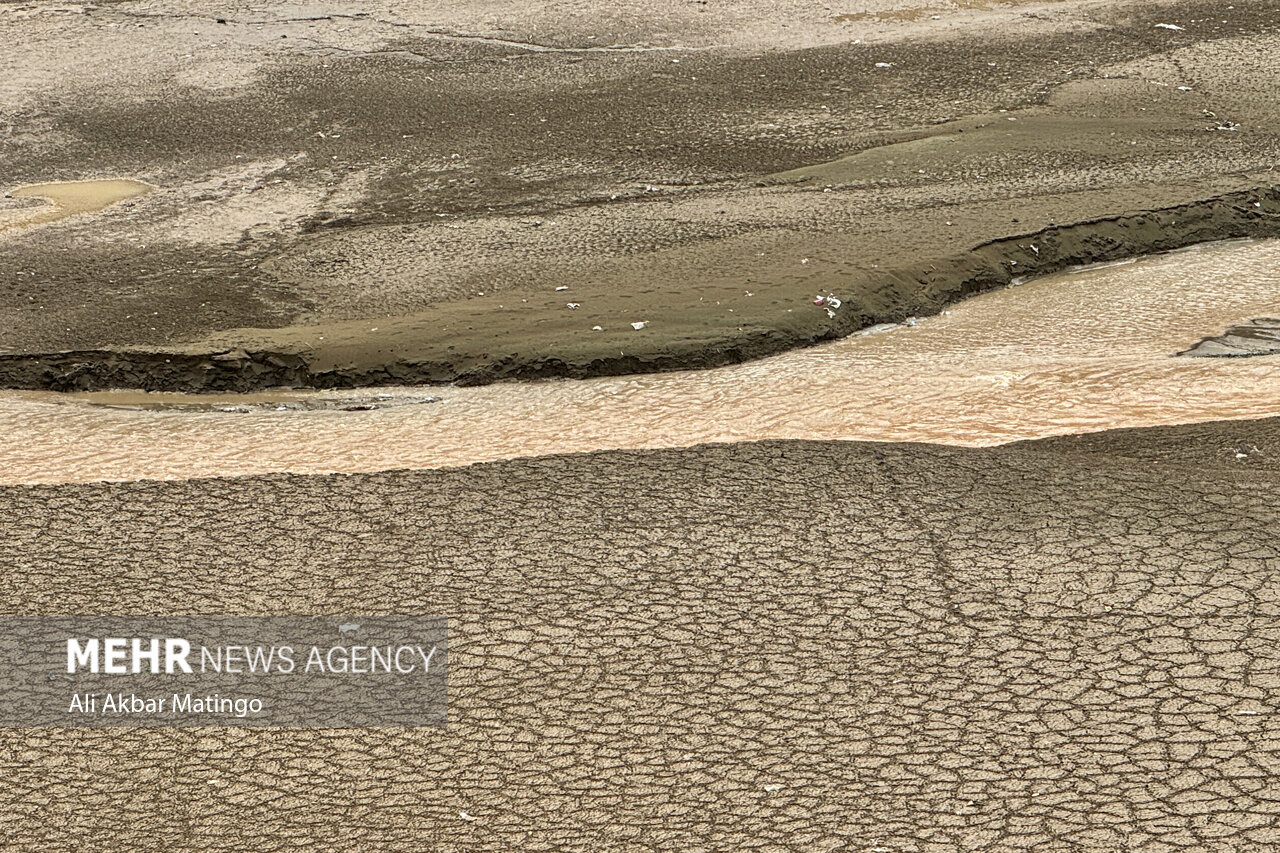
1064 645
353 195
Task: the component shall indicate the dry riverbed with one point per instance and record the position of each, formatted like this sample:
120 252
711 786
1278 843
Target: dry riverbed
763 641
379 196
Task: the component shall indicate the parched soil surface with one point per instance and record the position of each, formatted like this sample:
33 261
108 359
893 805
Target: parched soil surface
357 194
1063 645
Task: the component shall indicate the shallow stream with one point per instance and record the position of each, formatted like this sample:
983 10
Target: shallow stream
1081 351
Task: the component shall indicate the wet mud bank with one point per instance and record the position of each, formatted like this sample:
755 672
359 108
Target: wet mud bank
1085 350
1260 336
300 357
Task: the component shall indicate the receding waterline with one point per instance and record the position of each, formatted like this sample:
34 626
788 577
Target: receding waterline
1083 351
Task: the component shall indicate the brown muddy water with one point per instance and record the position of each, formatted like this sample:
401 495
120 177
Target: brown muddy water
69 198
1077 352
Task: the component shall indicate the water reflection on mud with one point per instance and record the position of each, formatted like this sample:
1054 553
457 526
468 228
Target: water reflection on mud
1078 352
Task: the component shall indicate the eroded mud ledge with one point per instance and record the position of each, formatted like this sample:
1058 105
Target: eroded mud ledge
298 358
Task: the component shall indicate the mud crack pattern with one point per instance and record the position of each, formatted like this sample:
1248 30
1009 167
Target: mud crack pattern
785 646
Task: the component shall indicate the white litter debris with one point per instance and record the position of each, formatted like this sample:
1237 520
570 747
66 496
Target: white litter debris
572 306
884 65
563 287
640 325
830 302
465 816
1168 27
597 328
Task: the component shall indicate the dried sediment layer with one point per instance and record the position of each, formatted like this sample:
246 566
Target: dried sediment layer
793 646
348 355
392 194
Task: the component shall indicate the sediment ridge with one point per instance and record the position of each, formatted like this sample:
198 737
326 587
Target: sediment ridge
298 356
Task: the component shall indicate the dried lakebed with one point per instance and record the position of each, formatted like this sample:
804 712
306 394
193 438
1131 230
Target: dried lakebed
1077 352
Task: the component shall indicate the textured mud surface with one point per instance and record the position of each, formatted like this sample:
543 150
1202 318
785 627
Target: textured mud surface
1260 336
351 195
1067 645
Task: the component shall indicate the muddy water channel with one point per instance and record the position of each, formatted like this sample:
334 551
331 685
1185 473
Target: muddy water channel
1082 351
